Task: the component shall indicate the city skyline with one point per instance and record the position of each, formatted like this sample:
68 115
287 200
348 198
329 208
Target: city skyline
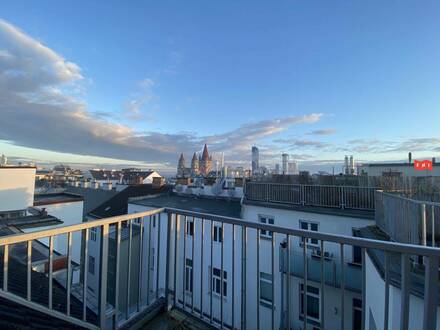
150 88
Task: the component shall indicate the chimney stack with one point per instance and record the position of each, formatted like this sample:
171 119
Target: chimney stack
410 157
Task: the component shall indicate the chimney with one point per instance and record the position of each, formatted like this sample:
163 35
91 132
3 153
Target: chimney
410 157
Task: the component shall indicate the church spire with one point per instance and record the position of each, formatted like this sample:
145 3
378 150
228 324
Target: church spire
205 155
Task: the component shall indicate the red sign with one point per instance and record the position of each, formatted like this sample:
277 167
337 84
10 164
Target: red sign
422 165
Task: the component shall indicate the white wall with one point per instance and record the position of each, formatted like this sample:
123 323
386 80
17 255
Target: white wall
334 224
375 303
70 213
17 185
149 179
408 171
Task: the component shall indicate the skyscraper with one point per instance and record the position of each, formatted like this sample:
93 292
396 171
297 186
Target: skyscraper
285 160
292 168
255 160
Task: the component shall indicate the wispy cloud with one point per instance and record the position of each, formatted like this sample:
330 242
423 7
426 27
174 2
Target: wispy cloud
39 109
137 107
302 143
327 131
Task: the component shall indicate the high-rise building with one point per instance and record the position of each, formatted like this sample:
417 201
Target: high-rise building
277 169
349 165
285 160
255 160
292 168
3 160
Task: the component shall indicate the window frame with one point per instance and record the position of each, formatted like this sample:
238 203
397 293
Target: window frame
216 282
266 220
93 234
312 242
189 275
217 233
264 301
356 309
189 227
91 260
309 295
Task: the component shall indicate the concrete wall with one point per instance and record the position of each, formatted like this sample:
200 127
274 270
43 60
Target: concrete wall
17 185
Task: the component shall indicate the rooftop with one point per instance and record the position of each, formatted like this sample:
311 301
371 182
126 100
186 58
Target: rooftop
344 212
57 198
117 205
227 208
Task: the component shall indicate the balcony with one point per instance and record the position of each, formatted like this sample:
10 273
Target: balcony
173 266
341 197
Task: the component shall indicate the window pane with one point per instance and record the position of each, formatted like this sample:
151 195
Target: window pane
314 226
271 221
216 272
304 225
265 290
312 289
313 307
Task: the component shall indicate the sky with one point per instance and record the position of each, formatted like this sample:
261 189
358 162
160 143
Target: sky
137 82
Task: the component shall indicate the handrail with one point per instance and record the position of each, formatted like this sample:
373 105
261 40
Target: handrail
350 240
361 242
416 201
19 238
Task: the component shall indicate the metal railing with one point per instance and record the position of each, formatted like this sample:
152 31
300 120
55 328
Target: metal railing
361 198
226 272
408 220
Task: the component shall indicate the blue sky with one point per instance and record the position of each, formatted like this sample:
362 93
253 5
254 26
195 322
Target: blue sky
112 82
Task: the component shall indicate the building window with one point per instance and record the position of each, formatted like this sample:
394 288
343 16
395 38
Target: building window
311 226
266 297
216 282
357 255
92 265
357 314
266 220
93 234
189 227
313 303
189 275
218 234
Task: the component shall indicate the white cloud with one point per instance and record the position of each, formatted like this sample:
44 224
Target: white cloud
39 109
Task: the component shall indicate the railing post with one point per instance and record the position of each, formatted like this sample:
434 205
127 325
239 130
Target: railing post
404 298
167 269
431 285
342 201
103 280
302 194
423 218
